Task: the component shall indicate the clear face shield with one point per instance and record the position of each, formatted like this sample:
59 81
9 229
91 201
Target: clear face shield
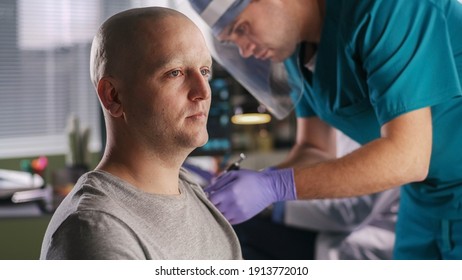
269 82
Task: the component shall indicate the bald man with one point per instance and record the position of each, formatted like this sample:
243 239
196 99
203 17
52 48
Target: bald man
150 68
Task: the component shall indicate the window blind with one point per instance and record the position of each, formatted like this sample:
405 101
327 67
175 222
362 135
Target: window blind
44 72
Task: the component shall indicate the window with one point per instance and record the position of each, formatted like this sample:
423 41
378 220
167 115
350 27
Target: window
44 72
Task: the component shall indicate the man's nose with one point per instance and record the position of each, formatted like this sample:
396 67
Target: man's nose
200 88
246 47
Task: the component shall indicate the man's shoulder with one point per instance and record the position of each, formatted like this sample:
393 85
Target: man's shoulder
87 219
93 191
89 195
88 234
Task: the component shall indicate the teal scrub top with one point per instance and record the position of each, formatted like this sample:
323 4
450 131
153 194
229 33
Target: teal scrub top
379 59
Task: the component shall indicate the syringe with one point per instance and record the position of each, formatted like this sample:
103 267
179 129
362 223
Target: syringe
236 165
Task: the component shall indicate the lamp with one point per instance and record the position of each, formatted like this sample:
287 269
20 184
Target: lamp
244 116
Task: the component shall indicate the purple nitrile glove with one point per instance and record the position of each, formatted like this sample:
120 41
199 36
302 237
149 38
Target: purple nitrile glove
241 194
270 168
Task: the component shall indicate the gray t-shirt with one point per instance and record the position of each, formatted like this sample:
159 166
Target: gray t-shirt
104 217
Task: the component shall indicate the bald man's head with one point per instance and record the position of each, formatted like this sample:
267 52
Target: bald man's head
120 44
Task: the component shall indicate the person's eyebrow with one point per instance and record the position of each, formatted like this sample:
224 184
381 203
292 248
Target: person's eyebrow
209 61
231 27
169 61
156 66
165 62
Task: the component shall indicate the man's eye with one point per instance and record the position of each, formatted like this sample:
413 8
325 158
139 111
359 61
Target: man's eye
240 30
206 73
175 73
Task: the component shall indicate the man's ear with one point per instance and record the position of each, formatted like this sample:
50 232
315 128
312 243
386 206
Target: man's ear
109 96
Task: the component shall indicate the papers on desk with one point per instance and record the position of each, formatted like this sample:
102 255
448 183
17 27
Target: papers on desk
12 181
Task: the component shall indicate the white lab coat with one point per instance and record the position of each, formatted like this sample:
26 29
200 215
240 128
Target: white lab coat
352 228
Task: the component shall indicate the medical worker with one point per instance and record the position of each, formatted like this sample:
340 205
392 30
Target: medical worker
387 73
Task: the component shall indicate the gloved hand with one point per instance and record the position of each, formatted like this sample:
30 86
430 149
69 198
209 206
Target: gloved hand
241 194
